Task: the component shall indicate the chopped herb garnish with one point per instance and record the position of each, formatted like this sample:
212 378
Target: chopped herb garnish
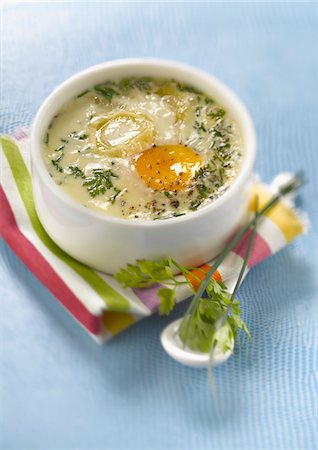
168 194
81 135
113 197
65 141
178 214
198 111
57 166
218 133
143 83
82 94
203 190
125 84
203 172
220 112
76 171
199 126
106 91
99 182
221 173
56 161
60 151
186 88
194 205
47 138
209 101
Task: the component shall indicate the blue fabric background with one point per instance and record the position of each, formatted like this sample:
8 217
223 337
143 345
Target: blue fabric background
58 388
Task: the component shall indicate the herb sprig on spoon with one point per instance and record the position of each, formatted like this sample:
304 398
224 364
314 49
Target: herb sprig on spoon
212 300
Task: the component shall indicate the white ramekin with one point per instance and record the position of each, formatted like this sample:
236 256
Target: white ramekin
107 243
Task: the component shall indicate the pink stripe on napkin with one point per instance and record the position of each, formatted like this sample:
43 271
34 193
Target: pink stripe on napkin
260 251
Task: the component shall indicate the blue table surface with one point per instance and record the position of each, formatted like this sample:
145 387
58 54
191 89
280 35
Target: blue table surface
58 388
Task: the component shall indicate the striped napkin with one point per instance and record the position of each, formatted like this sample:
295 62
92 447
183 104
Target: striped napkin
94 298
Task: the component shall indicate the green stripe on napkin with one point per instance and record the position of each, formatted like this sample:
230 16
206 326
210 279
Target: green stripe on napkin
113 300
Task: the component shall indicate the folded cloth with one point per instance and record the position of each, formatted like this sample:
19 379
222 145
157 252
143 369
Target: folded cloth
94 298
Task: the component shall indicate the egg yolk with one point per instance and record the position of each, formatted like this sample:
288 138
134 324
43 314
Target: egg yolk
169 167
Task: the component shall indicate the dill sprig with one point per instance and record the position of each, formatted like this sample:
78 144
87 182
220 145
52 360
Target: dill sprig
106 91
99 182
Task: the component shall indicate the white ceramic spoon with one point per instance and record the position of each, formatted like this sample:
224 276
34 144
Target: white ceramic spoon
173 346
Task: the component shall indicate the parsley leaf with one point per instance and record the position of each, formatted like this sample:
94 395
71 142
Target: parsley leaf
167 300
199 331
145 273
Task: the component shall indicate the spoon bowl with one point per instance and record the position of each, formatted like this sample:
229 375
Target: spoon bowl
173 346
